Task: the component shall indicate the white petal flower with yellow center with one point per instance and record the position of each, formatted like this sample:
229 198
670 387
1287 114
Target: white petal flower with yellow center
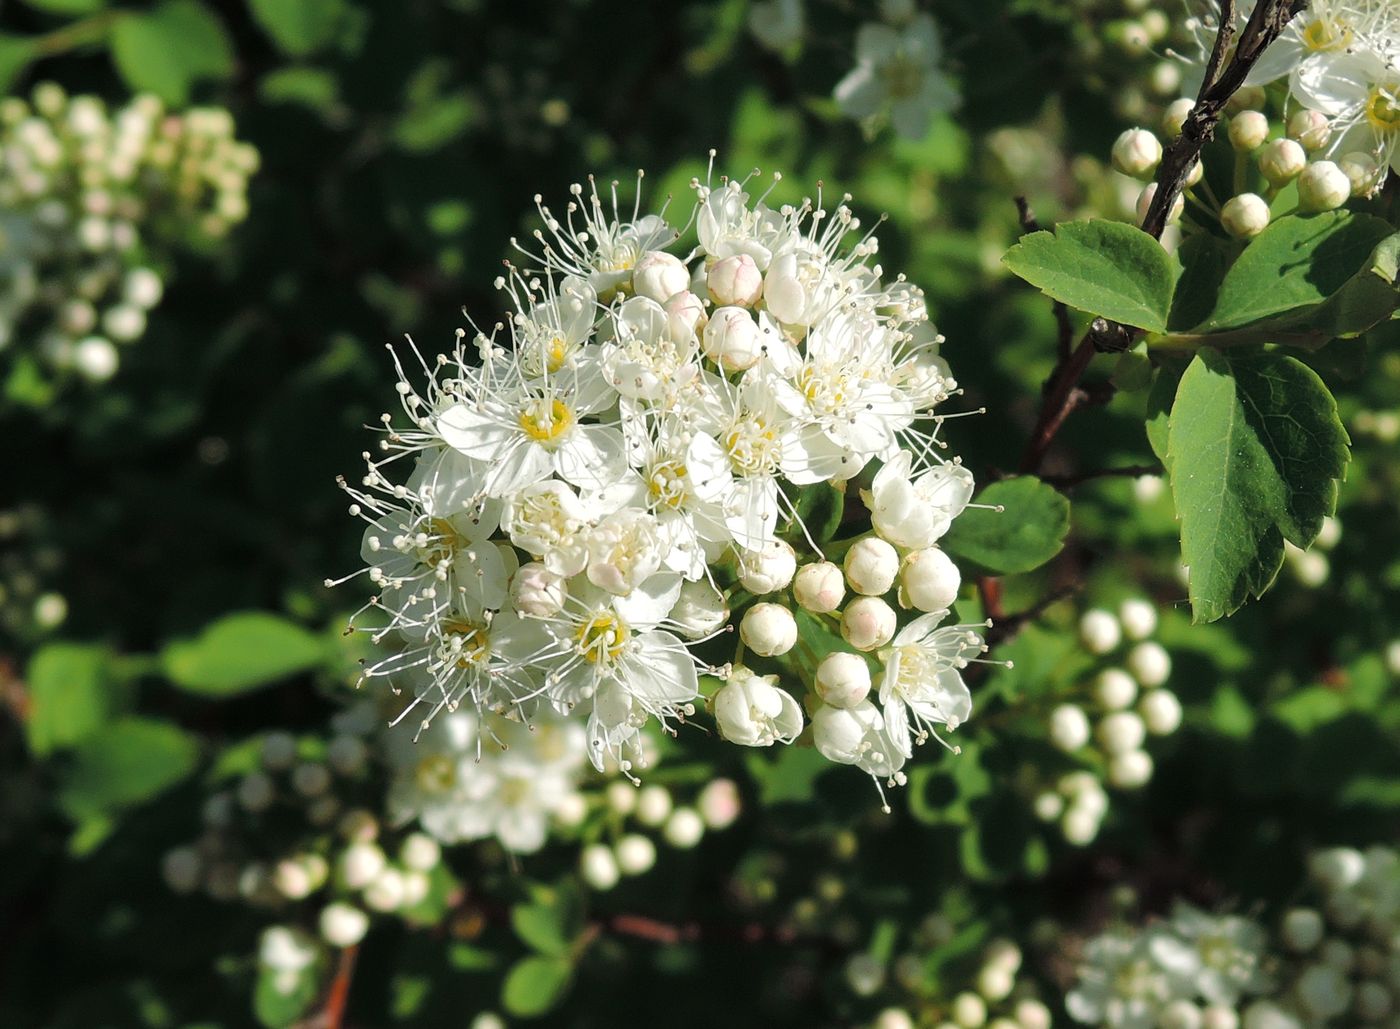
922 680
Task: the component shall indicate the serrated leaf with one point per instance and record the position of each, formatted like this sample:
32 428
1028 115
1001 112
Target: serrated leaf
167 50
126 762
1159 408
534 985
71 695
1255 449
1309 279
1029 532
241 652
1204 260
299 26
540 927
1102 267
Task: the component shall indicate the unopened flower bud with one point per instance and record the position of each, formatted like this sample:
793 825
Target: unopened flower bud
929 581
343 925
1115 689
1195 173
598 867
684 829
1373 1001
1080 825
636 854
387 891
735 280
1310 128
659 276
1130 770
1219 1016
1324 991
182 868
871 566
1144 203
1099 631
969 1010
360 863
536 592
653 805
1245 216
1249 130
1246 98
95 358
995 983
867 623
1175 116
685 316
311 779
1303 929
346 754
1048 806
768 630
843 679
1160 711
256 792
279 751
1281 161
1069 727
732 339
1323 187
1150 664
1137 152
1121 732
1338 867
1032 1014
1363 171
819 587
767 569
1180 1014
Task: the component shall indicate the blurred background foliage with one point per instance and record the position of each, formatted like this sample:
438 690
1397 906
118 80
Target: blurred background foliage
185 514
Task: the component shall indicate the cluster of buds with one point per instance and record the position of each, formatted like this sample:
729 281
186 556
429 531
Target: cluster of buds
93 203
28 606
1128 701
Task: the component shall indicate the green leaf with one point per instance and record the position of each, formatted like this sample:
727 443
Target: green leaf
299 26
313 88
534 985
1204 261
1159 408
125 763
167 50
241 652
15 54
71 7
275 1007
1030 531
541 927
1255 449
70 695
1105 268
1309 279
819 509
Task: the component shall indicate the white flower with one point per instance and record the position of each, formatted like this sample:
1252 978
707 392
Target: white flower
915 512
897 70
1222 955
752 711
857 736
548 520
777 24
1121 985
922 680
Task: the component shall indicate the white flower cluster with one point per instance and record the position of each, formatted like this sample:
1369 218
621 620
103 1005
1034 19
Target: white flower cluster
583 478
1130 701
90 200
1334 964
898 78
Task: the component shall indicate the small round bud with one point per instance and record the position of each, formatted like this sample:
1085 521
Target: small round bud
142 287
1175 116
1003 954
1311 129
929 580
311 779
1324 991
732 339
1137 152
1069 727
1323 187
1246 98
684 828
767 569
1245 216
699 610
1363 171
1266 1014
1330 534
256 792
124 322
292 879
995 983
865 974
1138 618
621 797
1303 929
347 754
1373 1001
1180 1014
1130 770
659 276
843 679
182 868
598 867
867 623
1115 689
1195 173
871 566
536 592
685 315
359 826
719 803
636 854
1218 1016
343 925
1150 664
1337 867
95 358
819 587
360 864
1144 203
653 805
387 891
1099 631
279 751
1032 1014
1048 806
1248 131
768 630
1121 732
735 281
420 852
1336 952
1281 161
893 1018
1080 825
1160 711
969 1010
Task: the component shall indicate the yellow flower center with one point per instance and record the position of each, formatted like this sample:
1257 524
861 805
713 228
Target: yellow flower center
546 420
554 353
753 448
475 642
667 483
902 77
443 541
436 773
1383 108
602 637
1327 34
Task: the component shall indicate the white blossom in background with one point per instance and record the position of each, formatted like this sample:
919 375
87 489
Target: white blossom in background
547 535
899 75
93 203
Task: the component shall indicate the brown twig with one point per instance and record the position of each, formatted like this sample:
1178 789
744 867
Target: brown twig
1029 224
1009 626
338 997
1063 482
